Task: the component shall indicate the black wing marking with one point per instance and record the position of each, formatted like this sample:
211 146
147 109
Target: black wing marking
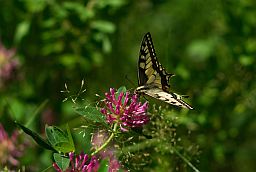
150 71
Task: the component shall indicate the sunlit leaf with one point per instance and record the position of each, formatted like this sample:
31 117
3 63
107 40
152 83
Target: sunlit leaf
22 30
103 26
246 60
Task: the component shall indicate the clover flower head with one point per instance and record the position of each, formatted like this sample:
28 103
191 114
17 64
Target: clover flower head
80 163
8 64
10 148
125 109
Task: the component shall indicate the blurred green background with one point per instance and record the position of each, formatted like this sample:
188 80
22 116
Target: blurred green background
209 44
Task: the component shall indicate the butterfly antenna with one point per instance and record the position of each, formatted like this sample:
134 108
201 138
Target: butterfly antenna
128 79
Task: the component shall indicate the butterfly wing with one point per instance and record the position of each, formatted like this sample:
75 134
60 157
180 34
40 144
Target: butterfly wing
153 79
150 71
170 98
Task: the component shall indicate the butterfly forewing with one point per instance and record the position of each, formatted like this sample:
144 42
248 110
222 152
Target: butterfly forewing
150 70
153 79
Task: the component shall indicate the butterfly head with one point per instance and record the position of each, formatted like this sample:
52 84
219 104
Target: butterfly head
165 81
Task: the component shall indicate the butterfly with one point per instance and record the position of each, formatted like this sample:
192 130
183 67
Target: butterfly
153 79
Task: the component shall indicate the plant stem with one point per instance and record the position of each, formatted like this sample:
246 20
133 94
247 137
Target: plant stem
186 160
107 142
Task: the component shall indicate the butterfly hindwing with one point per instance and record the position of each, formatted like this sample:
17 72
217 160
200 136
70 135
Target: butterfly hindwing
153 79
171 98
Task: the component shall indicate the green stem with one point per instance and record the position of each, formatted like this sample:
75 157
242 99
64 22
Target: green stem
186 160
107 142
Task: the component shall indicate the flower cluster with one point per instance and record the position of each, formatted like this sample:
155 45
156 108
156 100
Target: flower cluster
10 148
8 64
80 163
125 110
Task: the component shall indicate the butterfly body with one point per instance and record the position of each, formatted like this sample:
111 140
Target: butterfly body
153 79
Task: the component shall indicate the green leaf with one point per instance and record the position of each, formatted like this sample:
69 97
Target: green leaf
107 47
70 138
21 31
59 139
246 60
103 26
91 113
111 3
61 161
83 12
38 139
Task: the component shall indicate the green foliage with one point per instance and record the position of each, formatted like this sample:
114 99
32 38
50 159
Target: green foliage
209 45
121 89
166 143
61 141
57 140
61 161
39 140
91 113
103 166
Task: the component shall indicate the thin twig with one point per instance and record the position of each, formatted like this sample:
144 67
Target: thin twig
186 160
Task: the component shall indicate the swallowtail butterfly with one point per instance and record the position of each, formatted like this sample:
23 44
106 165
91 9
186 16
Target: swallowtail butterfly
153 79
